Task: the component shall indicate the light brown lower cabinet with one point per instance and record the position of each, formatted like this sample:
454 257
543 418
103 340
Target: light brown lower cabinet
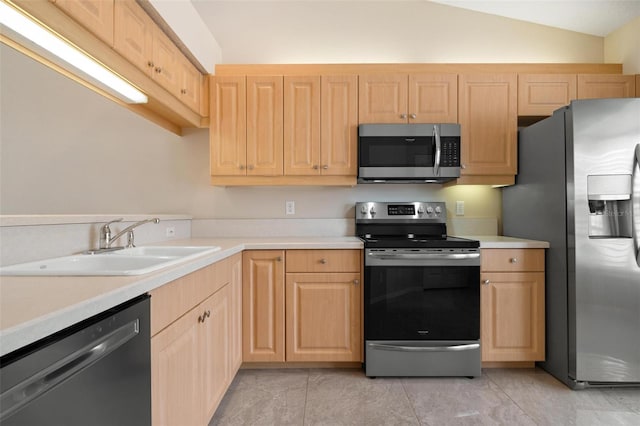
196 356
512 305
315 316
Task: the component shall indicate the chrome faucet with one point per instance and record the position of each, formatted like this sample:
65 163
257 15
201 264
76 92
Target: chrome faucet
106 239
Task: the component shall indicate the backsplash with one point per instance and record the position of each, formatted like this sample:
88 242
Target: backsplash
28 238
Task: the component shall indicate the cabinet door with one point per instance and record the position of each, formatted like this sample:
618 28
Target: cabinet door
512 316
323 317
541 94
488 120
228 126
339 132
215 349
235 340
94 15
133 36
383 98
190 83
263 305
166 57
176 383
264 126
594 86
433 98
302 125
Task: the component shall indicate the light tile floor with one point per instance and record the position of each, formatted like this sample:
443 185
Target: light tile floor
346 397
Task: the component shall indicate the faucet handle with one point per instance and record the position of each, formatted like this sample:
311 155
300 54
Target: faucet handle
106 225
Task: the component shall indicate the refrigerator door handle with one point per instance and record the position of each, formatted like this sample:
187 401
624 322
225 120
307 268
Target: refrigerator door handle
636 204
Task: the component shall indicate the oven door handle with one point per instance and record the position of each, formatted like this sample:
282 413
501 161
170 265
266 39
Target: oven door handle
454 348
422 256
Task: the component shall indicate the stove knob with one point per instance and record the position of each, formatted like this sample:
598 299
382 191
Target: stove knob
363 209
438 210
421 210
372 211
430 210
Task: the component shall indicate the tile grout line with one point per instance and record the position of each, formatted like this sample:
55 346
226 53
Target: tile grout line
306 394
413 409
533 419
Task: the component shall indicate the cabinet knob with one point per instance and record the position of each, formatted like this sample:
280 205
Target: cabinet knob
513 260
241 166
159 70
183 91
279 259
462 166
325 167
150 64
250 167
413 116
485 282
356 282
403 116
207 313
323 261
316 167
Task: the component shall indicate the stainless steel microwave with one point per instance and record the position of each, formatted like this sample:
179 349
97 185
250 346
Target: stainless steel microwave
408 153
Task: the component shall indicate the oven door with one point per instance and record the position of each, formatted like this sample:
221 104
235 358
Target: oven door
422 295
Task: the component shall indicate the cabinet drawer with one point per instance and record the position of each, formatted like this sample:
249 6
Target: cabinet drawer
323 261
512 260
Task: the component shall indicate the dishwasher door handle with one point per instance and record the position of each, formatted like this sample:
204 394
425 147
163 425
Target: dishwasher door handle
453 348
15 398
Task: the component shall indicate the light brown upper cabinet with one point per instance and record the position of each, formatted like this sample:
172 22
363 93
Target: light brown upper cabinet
94 15
637 85
264 126
246 126
228 126
592 86
488 119
139 40
541 94
408 98
320 125
189 84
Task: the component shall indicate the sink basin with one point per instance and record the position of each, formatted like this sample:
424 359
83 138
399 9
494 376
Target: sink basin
133 261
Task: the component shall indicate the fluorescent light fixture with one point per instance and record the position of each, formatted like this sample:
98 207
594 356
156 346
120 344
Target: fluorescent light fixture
42 37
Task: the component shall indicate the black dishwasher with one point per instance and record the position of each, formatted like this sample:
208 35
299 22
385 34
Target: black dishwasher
96 372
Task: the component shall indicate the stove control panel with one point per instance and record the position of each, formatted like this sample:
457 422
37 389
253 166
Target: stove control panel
432 211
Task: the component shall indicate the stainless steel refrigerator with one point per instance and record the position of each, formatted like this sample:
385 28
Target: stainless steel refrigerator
578 187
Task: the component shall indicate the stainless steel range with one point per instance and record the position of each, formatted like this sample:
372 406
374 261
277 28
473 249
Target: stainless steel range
421 292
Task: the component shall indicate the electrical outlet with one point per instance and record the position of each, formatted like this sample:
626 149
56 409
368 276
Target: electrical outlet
459 208
170 231
290 207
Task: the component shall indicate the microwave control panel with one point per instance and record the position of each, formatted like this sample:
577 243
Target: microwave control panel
450 152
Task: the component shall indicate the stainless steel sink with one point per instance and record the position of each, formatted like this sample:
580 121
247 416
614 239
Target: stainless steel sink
132 261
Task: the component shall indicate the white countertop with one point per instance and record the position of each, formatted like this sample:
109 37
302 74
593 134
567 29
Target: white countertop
35 307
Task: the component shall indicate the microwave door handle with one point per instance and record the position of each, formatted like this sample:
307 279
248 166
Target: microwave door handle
436 162
635 199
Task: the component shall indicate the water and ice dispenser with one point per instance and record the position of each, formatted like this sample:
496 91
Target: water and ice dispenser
610 206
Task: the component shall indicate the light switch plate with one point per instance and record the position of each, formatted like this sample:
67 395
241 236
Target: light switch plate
459 208
290 207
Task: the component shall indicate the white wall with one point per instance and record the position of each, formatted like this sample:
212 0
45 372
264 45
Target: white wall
623 46
64 149
384 31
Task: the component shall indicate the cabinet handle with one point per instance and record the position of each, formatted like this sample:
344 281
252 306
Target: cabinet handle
485 282
159 70
403 116
150 64
183 91
323 261
413 116
513 260
356 282
200 319
207 314
325 167
279 259
316 167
